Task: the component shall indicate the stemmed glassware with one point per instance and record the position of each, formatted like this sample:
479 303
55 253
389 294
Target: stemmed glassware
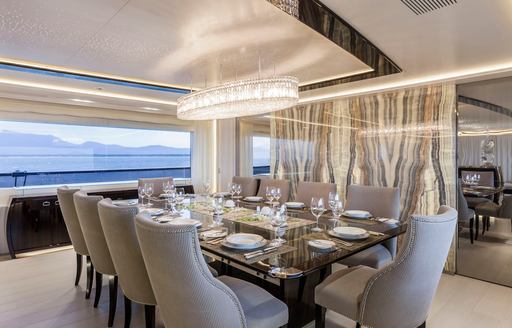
278 221
269 194
317 209
180 196
218 204
148 190
232 189
206 186
337 211
334 197
238 190
142 193
276 194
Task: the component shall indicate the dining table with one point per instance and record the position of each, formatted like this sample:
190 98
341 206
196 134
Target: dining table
290 271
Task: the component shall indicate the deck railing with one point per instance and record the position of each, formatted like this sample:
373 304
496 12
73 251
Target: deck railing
24 178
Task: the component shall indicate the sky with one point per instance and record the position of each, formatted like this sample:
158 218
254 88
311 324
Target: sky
78 134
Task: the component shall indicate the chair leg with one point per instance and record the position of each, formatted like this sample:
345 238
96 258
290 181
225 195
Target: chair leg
471 223
149 313
477 226
127 312
99 285
423 325
78 268
358 325
484 224
488 222
90 277
112 287
319 316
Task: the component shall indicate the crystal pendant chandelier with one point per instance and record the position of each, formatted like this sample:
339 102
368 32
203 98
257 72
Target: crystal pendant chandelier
240 98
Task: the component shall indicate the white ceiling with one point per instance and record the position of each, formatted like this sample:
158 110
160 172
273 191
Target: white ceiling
461 40
177 42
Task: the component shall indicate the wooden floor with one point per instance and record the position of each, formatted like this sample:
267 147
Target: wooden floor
38 291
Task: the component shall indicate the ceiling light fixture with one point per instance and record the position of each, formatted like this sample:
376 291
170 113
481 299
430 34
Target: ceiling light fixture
240 98
82 100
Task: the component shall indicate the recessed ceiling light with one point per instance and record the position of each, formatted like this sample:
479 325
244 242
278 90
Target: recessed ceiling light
151 108
82 100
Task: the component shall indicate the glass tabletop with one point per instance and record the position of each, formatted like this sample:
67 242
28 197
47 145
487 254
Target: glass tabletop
297 256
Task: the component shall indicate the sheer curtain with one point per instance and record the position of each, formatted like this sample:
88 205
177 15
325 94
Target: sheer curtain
203 157
245 162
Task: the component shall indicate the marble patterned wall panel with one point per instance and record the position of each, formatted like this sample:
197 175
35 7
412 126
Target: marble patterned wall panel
402 139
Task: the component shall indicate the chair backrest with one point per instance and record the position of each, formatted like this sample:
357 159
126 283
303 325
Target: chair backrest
186 292
249 185
506 208
400 295
308 190
462 205
118 223
158 184
380 201
67 206
87 211
284 185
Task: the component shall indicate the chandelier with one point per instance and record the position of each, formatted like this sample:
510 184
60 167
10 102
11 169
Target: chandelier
240 98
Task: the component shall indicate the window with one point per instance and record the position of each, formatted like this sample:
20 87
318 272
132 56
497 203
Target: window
46 154
261 155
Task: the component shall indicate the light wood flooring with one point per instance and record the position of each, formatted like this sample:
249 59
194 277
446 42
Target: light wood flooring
38 291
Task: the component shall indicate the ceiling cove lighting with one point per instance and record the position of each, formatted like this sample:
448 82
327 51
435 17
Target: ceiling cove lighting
240 98
84 91
151 108
82 100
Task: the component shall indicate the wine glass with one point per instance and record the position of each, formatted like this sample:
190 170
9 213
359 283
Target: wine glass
232 189
142 193
148 191
269 194
317 209
276 194
238 190
337 210
333 198
278 220
218 203
180 196
206 186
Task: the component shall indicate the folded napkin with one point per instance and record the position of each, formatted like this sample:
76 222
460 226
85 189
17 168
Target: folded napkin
388 221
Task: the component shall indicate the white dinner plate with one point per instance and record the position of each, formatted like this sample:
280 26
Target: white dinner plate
294 204
125 202
349 233
357 214
253 198
322 244
244 247
185 221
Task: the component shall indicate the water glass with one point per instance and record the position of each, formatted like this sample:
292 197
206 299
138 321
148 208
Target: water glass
238 190
317 209
148 187
276 194
337 209
206 187
278 220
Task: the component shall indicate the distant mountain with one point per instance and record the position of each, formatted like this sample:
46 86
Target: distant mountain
14 143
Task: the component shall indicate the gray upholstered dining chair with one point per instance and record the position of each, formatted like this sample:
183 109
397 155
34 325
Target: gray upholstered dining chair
307 190
67 206
158 184
118 223
87 211
284 185
249 185
381 202
399 295
465 214
503 211
188 295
